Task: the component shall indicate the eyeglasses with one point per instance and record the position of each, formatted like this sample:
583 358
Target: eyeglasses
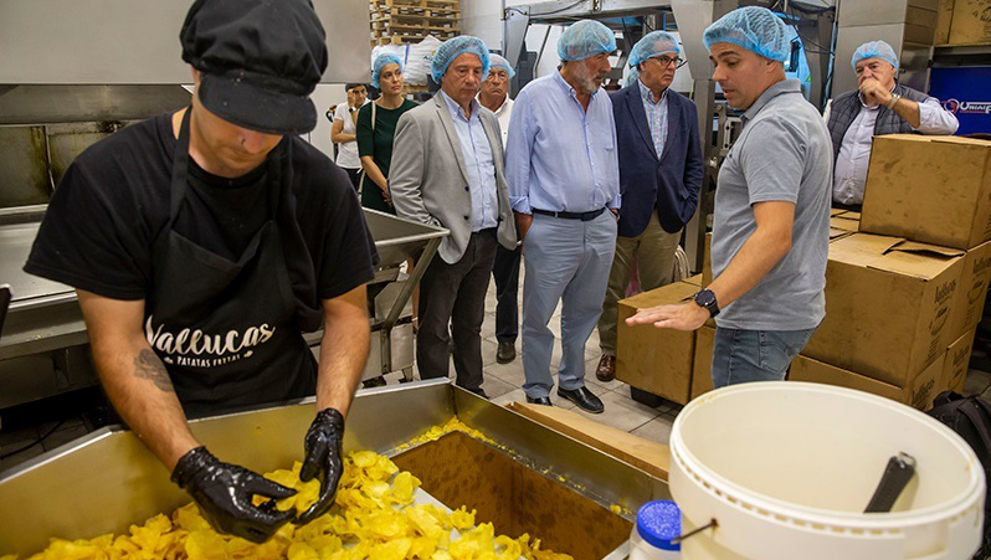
665 61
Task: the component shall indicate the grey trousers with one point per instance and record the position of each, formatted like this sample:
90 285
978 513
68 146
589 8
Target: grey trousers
454 294
565 261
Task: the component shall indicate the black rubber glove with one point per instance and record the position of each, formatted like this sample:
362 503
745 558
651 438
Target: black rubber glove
224 491
323 457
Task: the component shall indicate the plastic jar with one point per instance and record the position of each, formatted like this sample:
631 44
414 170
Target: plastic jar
658 523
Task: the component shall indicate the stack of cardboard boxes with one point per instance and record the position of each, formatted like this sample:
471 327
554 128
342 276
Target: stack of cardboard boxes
906 283
963 22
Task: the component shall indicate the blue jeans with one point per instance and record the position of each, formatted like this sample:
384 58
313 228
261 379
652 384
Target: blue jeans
741 356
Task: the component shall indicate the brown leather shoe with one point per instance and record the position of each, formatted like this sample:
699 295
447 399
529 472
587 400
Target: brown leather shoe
606 371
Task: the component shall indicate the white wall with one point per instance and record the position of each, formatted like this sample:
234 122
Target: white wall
323 97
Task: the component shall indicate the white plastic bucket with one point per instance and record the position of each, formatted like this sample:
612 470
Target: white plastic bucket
787 468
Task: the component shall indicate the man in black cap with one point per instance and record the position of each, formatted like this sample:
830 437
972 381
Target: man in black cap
202 243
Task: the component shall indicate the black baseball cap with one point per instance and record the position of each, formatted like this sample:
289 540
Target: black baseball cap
259 61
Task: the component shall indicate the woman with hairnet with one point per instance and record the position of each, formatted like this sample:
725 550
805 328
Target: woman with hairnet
878 106
770 232
564 185
448 171
660 173
375 130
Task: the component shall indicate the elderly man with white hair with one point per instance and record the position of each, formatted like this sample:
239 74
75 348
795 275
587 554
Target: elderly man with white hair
878 106
563 178
494 96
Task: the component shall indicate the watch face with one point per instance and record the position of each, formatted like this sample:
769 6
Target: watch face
705 298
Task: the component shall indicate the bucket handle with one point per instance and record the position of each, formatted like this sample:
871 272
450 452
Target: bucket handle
712 524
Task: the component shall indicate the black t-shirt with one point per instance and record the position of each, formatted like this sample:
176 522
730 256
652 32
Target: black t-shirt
113 203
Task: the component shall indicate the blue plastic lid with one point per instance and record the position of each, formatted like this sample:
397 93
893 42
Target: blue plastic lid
658 523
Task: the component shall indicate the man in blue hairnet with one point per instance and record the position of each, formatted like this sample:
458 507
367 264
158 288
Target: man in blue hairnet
564 185
770 232
660 173
878 106
494 96
447 170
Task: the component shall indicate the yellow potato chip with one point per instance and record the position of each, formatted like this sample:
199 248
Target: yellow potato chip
373 519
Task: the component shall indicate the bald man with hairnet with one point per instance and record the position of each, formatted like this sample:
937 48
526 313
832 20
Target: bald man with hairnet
878 106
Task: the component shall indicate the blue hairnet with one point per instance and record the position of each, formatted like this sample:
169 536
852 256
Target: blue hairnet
381 61
653 44
874 49
630 75
455 47
753 28
500 62
585 38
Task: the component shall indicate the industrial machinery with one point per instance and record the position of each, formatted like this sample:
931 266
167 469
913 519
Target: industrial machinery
533 479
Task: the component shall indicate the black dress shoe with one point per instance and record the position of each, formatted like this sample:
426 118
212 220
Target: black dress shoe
545 401
583 398
506 352
480 392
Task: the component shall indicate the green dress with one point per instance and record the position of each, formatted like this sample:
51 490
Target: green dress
378 144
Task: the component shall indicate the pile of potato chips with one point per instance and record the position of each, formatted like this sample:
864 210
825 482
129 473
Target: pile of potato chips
374 519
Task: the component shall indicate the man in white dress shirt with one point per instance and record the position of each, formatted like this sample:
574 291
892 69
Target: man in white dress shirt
494 96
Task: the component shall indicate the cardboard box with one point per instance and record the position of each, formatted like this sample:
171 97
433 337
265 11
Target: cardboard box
968 307
971 22
707 260
702 369
694 280
845 222
656 360
918 394
932 189
887 306
957 363
944 17
836 212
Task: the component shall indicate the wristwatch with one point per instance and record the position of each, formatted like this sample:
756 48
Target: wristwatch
894 99
706 299
351 109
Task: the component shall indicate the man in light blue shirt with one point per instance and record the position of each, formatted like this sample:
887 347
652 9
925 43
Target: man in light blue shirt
563 177
447 170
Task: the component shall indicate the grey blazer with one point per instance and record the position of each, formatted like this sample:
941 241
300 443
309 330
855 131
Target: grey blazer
427 178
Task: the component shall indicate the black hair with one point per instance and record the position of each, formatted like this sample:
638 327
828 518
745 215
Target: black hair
348 87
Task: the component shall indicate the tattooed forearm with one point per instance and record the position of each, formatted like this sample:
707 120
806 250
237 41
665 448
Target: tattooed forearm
148 366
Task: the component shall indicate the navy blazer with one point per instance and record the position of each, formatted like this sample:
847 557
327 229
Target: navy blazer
670 183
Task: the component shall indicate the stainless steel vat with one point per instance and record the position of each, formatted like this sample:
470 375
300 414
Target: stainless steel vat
108 480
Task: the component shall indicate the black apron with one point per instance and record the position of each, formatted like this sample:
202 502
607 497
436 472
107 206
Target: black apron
229 331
